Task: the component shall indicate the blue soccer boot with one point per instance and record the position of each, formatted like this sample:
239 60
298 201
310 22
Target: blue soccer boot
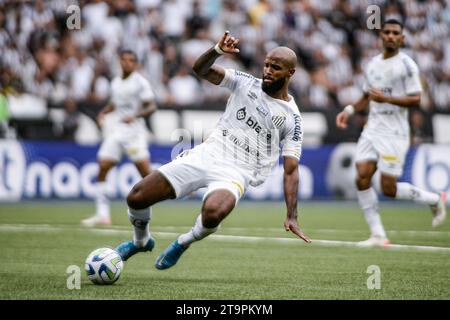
170 256
127 249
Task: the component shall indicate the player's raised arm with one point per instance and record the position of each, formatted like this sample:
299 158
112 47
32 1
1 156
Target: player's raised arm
204 66
360 105
290 181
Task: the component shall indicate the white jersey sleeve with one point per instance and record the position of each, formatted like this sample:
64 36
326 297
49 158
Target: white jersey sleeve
293 137
235 79
411 79
146 94
365 84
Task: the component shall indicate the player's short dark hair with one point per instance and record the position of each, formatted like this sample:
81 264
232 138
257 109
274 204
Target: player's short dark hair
392 21
128 51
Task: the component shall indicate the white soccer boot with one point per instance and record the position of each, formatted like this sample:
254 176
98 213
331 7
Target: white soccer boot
96 221
374 241
439 211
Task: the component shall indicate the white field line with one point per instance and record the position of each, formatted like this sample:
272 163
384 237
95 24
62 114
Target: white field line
111 229
230 238
399 232
427 233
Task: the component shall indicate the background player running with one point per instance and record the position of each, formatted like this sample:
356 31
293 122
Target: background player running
132 100
392 86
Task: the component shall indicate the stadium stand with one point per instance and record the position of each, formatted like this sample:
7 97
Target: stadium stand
163 123
200 123
44 64
27 106
441 126
314 128
87 131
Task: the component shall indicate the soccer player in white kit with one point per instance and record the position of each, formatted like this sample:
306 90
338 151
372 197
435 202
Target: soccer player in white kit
392 86
260 115
132 100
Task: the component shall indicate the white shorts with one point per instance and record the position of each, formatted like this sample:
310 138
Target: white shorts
388 152
194 169
114 147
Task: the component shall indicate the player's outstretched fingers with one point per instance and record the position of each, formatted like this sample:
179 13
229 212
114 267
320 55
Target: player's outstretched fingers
301 235
304 237
292 225
224 39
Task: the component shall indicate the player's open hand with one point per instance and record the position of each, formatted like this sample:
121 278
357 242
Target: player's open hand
228 43
291 224
342 120
378 96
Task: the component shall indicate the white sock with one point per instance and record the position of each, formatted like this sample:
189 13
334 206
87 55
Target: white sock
140 219
407 191
368 201
198 232
102 201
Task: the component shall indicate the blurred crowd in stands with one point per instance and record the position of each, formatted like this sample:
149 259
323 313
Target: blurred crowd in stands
39 55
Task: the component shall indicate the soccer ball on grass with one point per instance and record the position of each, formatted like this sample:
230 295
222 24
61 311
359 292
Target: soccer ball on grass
104 266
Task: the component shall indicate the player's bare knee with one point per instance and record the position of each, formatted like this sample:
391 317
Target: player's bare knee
389 189
214 211
363 183
135 199
211 214
132 198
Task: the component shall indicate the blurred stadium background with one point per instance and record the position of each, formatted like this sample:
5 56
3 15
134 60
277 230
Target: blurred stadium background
54 81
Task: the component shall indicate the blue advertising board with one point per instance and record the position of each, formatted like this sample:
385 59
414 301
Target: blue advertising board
62 170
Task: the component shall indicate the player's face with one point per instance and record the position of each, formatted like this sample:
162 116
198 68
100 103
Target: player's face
128 63
392 37
275 74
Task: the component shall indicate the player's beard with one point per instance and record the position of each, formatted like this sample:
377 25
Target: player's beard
391 48
274 86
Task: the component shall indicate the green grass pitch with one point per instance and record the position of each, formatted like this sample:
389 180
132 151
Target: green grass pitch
248 258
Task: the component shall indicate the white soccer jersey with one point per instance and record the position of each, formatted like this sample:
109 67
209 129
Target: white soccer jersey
396 76
253 127
127 96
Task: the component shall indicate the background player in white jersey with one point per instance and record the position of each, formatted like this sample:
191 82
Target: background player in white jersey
392 86
260 115
132 100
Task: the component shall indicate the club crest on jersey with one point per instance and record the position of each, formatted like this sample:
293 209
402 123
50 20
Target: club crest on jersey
241 114
278 121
